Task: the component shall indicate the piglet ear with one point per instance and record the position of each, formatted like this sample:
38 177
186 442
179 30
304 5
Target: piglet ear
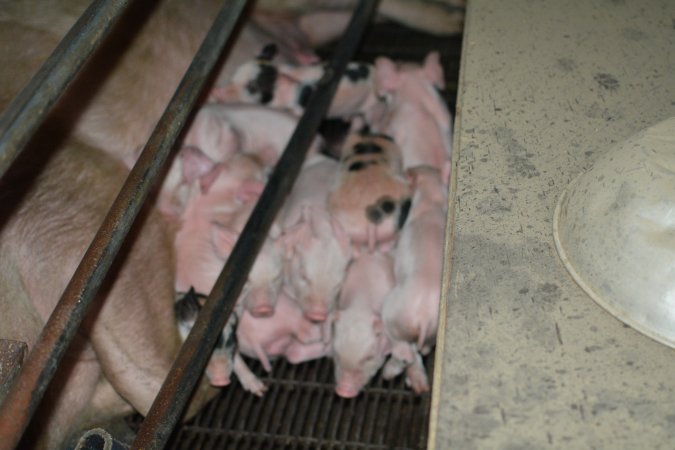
433 71
275 231
268 52
383 342
386 75
197 166
293 237
223 239
342 237
411 176
207 180
250 190
377 325
195 163
225 93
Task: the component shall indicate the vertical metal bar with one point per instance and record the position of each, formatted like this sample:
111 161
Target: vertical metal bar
193 356
28 109
38 370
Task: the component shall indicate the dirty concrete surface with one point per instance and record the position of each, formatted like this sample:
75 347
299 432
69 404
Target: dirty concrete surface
525 359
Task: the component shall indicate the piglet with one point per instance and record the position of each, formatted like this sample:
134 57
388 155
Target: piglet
217 133
371 190
265 279
360 345
252 129
410 310
289 87
416 116
317 249
225 357
217 203
212 222
286 333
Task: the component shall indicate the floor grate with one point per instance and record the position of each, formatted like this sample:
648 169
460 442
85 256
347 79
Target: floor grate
301 411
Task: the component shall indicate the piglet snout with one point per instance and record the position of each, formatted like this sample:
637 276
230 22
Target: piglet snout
261 311
218 378
316 315
346 390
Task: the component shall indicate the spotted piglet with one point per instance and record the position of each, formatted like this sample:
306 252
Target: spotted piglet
225 357
371 197
286 86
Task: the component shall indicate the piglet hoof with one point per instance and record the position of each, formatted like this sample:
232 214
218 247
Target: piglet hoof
316 316
417 379
219 381
254 386
345 391
393 368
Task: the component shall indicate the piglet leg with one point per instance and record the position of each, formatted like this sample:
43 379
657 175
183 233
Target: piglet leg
248 380
416 375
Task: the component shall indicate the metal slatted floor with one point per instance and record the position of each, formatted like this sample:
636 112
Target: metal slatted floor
301 411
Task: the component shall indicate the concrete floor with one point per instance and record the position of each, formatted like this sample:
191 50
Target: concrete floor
525 359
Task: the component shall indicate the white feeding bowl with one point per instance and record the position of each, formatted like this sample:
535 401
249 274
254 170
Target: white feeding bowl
614 228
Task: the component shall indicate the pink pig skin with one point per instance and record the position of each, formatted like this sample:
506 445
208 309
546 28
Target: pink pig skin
210 227
225 358
410 311
259 131
317 249
217 133
416 117
365 181
286 333
360 345
198 262
129 338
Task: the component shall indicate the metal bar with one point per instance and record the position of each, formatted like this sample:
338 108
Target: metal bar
29 109
193 356
39 368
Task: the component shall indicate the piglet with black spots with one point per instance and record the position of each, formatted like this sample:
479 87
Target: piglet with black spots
225 357
287 86
371 190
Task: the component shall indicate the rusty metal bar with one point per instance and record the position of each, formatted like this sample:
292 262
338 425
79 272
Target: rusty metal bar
29 109
193 356
40 366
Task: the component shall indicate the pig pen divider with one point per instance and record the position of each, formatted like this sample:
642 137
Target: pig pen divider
37 371
28 109
193 356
